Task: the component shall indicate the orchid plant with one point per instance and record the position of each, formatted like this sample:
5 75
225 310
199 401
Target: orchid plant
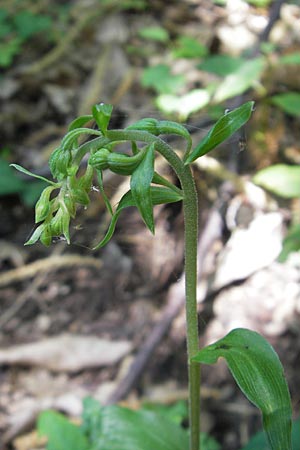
250 358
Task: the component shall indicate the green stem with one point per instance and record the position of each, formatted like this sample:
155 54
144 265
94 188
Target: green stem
190 208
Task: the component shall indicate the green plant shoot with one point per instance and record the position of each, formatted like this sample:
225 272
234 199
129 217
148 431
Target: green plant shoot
252 361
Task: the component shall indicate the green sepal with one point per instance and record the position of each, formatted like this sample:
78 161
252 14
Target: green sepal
140 187
70 139
70 205
39 177
79 195
43 204
225 127
86 180
46 235
79 122
159 195
259 374
102 113
35 235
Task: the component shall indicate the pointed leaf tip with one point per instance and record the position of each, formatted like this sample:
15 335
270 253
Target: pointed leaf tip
225 127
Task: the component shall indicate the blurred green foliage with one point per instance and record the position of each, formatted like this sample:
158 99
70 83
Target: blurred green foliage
16 29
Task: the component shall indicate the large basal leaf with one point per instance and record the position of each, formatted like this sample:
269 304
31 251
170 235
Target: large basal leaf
124 429
288 102
61 433
140 187
258 372
259 441
159 195
225 127
281 179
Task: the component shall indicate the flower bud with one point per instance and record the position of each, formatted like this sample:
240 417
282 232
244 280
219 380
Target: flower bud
42 206
99 159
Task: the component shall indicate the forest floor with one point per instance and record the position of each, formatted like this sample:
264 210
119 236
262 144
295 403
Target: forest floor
126 299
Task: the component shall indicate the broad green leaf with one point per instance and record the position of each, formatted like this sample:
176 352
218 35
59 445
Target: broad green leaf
158 34
188 47
289 103
140 187
27 172
177 413
221 65
225 127
61 433
158 195
259 441
238 82
281 179
124 429
161 79
259 374
183 105
79 122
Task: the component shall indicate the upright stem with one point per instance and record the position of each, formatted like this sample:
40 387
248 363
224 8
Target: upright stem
190 208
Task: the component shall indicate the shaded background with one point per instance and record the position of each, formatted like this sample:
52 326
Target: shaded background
188 61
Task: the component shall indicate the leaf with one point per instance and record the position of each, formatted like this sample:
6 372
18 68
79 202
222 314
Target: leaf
281 179
140 187
158 195
61 433
259 374
225 127
289 103
117 428
259 441
183 105
221 65
158 34
27 172
161 79
188 47
238 82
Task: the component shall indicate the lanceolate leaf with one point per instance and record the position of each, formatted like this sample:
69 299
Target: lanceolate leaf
258 372
27 172
159 195
140 187
225 127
